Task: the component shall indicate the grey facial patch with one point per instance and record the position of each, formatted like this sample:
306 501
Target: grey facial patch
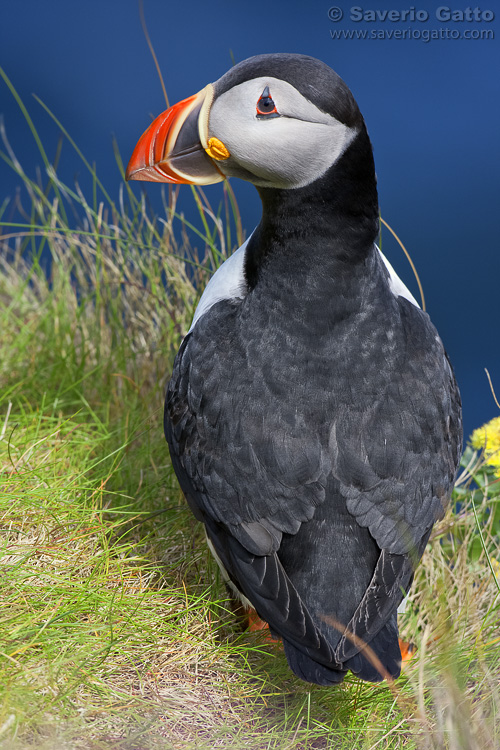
289 151
228 282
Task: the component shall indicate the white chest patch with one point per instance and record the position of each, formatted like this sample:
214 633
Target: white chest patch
228 282
395 284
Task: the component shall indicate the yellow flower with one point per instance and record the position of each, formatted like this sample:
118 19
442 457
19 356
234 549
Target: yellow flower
487 438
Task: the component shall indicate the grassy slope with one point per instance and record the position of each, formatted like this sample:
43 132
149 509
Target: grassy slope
115 630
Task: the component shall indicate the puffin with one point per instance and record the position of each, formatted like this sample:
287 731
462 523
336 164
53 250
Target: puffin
313 417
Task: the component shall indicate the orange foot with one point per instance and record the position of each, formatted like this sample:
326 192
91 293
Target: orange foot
407 650
255 623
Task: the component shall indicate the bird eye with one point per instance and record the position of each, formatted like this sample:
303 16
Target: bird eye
266 106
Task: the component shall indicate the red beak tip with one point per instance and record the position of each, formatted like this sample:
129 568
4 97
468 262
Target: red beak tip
130 174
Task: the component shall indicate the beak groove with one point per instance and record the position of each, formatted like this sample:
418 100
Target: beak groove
172 149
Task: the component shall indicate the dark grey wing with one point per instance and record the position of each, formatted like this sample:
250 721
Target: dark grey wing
396 457
256 468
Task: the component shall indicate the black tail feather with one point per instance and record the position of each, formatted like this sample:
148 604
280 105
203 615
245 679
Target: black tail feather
384 647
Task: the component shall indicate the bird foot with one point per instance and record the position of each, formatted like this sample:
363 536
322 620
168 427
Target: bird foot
255 623
407 649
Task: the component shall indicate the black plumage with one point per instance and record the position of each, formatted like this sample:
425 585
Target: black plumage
314 423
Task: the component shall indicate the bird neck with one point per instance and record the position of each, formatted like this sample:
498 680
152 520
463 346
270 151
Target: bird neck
329 223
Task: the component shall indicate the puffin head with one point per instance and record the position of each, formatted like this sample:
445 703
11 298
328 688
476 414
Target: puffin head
278 121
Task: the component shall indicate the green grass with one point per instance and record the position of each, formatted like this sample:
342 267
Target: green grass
116 630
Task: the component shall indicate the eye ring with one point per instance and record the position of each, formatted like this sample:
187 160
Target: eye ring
266 108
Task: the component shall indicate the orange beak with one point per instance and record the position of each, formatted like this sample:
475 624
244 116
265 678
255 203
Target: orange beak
174 147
